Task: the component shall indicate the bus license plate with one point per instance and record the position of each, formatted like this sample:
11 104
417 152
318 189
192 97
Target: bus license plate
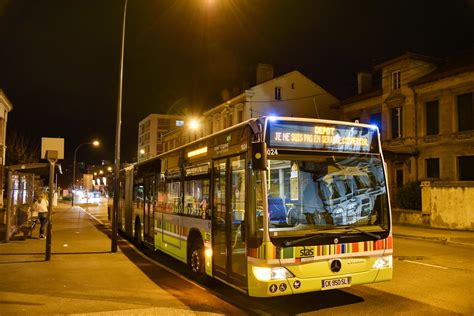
335 283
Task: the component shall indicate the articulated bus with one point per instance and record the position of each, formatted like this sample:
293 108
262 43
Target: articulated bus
271 206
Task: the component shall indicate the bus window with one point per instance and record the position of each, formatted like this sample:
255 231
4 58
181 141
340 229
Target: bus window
173 190
196 198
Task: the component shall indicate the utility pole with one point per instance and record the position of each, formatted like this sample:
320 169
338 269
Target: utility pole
52 156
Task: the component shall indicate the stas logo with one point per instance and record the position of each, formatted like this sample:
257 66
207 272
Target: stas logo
306 252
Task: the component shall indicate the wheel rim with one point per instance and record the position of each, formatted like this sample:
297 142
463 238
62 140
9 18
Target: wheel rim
196 261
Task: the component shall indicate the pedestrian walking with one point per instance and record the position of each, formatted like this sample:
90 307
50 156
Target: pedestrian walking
41 206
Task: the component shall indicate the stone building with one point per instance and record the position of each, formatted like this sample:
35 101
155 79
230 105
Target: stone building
425 112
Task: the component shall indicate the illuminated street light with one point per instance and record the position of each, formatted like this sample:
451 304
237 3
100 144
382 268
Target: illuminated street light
95 143
101 172
109 169
142 151
194 124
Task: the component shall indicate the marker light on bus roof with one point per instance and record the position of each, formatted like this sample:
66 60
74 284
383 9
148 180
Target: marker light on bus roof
198 151
374 126
273 118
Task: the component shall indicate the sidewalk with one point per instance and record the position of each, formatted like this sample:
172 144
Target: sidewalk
446 236
83 276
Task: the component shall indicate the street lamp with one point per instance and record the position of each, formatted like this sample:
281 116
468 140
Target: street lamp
94 143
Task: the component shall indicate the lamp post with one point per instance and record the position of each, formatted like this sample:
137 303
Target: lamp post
118 125
94 143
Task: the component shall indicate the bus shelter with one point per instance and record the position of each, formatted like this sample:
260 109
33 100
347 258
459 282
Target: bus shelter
24 183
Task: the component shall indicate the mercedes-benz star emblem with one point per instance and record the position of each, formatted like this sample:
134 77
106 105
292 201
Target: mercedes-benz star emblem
336 240
336 265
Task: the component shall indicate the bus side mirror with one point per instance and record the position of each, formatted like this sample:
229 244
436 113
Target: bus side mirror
259 156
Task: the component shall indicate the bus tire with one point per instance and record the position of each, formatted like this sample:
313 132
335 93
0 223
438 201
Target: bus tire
137 237
196 261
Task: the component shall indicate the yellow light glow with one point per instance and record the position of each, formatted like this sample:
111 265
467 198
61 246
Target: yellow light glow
109 169
194 124
208 252
142 151
95 143
196 152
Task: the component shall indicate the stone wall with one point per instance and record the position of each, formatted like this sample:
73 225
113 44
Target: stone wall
450 204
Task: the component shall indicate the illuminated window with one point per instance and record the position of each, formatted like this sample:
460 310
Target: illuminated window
466 172
277 93
432 117
465 112
396 80
397 123
179 122
432 168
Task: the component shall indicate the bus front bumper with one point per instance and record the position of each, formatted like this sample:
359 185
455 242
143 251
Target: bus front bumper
296 285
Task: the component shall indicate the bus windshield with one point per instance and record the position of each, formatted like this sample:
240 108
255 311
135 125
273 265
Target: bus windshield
326 192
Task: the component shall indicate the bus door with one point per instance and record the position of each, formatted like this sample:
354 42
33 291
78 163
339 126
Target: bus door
149 209
229 248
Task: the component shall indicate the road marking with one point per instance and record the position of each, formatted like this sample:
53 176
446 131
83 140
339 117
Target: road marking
427 264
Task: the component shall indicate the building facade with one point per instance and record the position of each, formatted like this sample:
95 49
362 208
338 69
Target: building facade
291 94
5 108
425 111
150 133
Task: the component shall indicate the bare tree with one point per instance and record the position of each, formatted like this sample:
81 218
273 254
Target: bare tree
21 148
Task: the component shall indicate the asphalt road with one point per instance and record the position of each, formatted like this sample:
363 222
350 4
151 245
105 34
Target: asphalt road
430 278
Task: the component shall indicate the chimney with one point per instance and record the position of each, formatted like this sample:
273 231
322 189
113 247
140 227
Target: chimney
264 73
225 94
364 82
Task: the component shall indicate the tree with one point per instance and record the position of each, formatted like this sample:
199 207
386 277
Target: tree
21 149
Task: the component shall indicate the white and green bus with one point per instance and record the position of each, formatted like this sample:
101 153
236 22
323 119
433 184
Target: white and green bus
271 206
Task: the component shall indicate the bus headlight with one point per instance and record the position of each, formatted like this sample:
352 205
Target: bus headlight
267 274
384 262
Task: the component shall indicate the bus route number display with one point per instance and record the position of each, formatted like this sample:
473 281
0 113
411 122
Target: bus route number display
320 136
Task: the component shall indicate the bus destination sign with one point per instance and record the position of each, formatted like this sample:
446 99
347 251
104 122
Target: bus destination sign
320 136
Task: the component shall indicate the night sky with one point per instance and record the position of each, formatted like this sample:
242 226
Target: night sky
59 60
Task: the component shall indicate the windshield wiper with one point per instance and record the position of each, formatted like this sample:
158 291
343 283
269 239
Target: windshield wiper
287 243
375 236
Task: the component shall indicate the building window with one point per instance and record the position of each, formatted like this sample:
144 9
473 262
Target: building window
432 168
396 80
465 112
376 119
466 171
432 117
179 122
397 123
399 178
240 116
277 93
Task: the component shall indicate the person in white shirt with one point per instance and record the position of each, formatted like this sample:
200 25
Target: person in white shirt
41 206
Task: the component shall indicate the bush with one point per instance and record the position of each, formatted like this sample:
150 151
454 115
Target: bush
409 196
67 198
